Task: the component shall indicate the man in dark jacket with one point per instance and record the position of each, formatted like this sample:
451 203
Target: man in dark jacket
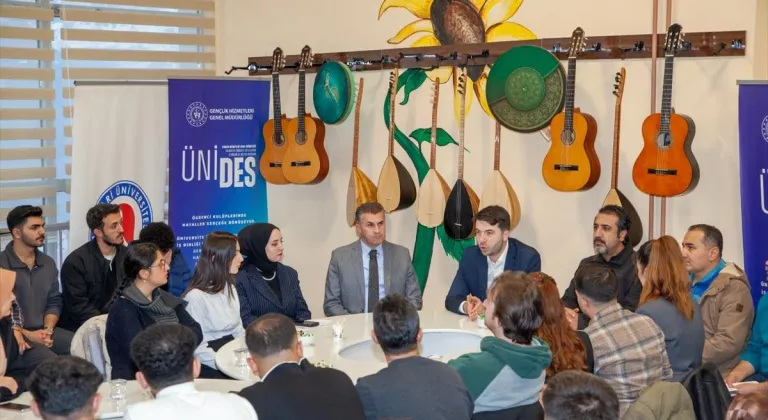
92 275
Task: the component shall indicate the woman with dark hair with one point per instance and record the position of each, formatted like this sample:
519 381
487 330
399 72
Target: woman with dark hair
265 285
571 350
212 298
141 304
667 300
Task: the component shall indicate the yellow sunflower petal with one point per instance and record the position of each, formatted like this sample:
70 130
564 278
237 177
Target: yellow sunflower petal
497 11
419 8
508 31
478 4
457 96
421 25
444 73
479 86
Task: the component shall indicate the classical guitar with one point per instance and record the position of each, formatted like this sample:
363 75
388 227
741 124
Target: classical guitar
361 189
396 189
616 197
572 163
463 203
305 160
666 166
271 162
498 191
433 193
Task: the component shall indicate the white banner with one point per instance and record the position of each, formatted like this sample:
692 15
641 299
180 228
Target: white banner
119 154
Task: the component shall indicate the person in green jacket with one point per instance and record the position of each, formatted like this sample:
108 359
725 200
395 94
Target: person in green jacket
753 366
509 370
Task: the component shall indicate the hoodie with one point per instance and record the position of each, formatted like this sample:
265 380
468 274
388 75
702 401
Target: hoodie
504 375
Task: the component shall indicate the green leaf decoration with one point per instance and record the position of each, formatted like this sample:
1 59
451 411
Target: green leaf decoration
453 248
414 78
424 135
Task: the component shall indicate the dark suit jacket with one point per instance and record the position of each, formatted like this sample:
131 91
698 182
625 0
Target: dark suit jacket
472 276
415 388
257 298
305 392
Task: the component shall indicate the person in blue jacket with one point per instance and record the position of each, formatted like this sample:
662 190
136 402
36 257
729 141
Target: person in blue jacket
180 273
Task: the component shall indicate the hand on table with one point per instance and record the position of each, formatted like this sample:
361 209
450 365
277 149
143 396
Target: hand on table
10 383
572 316
22 343
473 307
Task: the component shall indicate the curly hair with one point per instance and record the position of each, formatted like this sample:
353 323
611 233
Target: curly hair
164 353
64 385
568 351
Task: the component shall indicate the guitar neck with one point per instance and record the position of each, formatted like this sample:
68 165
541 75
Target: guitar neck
301 100
616 133
277 112
570 92
666 96
356 140
463 100
497 148
392 94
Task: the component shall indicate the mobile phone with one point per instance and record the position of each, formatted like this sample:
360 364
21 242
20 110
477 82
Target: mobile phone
22 408
309 323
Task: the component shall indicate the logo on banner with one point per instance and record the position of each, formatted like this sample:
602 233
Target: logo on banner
134 206
197 114
764 128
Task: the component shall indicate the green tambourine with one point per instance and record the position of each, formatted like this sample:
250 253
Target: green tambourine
526 88
334 92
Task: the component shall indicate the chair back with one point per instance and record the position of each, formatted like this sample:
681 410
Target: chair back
89 342
708 392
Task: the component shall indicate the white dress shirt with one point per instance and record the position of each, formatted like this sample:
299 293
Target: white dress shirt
185 402
494 270
366 263
218 316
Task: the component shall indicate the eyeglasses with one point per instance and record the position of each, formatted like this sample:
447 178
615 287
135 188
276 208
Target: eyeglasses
163 265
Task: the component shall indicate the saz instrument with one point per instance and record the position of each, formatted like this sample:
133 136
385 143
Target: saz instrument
616 197
305 160
462 205
361 189
271 162
572 163
498 191
396 189
433 193
666 166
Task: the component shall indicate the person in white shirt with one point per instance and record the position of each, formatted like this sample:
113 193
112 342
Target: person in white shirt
164 355
212 298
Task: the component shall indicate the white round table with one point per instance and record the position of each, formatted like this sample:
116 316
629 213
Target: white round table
446 336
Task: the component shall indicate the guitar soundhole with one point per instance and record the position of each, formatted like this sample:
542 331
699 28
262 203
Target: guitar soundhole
567 137
278 139
301 137
663 140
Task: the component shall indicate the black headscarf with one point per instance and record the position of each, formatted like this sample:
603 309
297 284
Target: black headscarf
253 245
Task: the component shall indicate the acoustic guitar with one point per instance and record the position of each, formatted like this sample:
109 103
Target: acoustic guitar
396 189
463 203
361 189
616 197
572 163
433 193
271 162
666 166
498 191
305 160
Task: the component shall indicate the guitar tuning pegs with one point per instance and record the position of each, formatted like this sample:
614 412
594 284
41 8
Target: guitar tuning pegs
617 78
616 86
615 93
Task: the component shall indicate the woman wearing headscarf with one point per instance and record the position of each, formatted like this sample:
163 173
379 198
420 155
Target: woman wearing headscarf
264 284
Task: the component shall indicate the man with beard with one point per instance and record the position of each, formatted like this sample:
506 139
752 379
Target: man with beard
494 254
92 275
610 239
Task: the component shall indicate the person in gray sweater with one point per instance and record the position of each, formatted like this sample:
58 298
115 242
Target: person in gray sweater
411 386
667 300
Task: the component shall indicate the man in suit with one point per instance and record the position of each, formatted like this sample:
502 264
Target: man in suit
165 356
368 269
494 254
292 389
411 386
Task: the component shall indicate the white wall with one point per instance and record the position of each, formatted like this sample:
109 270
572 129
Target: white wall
557 224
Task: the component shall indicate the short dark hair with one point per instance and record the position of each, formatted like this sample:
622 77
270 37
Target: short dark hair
712 235
18 216
164 354
494 216
96 214
64 385
159 234
623 223
517 305
396 324
597 282
573 394
270 334
371 207
139 256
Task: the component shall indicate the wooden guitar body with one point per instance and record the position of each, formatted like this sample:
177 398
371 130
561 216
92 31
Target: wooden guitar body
499 192
361 190
430 203
305 160
666 168
460 211
396 189
271 162
571 164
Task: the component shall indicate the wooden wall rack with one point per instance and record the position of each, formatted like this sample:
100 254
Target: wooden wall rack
695 44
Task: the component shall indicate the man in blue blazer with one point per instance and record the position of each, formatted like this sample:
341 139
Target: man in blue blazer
494 253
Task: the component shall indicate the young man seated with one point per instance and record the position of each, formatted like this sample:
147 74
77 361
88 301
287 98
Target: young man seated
65 387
